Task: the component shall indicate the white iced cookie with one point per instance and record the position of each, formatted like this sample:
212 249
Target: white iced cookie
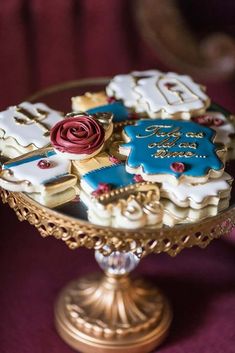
26 127
128 213
123 87
199 195
42 174
81 136
173 214
171 96
88 101
222 124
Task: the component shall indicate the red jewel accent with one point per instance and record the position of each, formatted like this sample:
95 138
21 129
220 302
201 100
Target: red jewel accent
133 116
111 100
205 119
102 188
169 85
76 199
138 178
114 160
218 122
44 164
177 167
208 120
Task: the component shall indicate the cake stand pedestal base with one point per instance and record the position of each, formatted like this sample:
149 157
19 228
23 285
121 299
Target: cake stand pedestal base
112 313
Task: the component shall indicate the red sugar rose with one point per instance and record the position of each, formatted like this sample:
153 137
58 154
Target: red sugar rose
79 135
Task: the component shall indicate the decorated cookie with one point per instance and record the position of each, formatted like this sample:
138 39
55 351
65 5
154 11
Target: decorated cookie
222 122
158 94
42 174
199 195
123 87
102 173
81 136
89 100
113 196
171 96
26 127
174 151
136 211
173 214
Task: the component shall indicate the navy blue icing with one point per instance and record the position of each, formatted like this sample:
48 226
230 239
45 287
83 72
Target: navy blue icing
120 113
29 159
204 158
114 175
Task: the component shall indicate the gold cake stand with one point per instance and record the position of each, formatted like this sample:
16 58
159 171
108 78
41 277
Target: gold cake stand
111 312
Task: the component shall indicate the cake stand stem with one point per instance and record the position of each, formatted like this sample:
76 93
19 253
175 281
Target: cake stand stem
106 313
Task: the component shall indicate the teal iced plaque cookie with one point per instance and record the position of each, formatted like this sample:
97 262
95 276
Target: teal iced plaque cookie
176 150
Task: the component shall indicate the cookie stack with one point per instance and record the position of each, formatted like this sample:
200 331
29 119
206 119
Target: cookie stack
148 152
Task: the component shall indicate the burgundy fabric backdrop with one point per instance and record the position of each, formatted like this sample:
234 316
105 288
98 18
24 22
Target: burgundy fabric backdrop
44 42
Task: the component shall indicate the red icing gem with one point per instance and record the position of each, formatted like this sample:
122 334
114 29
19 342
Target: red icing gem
208 120
138 178
44 164
205 119
169 85
177 167
76 199
133 116
218 122
102 188
111 100
114 160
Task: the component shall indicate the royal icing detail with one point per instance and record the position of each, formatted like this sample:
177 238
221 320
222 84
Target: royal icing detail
138 178
101 189
79 135
28 123
171 94
44 164
218 122
119 111
177 167
154 145
115 176
27 168
185 191
114 160
123 87
143 209
159 94
88 100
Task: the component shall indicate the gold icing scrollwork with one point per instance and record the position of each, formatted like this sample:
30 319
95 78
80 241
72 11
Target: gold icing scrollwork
77 233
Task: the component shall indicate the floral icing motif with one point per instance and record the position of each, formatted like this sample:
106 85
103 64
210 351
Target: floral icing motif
157 145
111 100
218 120
208 120
114 175
138 178
114 160
177 167
101 189
78 135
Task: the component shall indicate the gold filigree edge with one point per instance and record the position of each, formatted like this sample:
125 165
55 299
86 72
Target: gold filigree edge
76 233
